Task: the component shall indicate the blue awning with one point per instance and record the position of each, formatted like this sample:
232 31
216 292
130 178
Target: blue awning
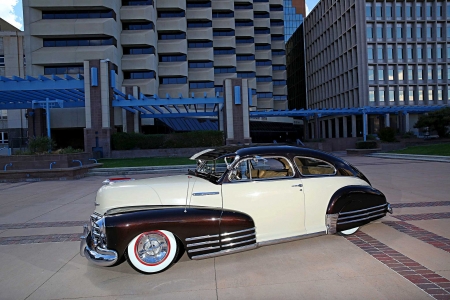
190 124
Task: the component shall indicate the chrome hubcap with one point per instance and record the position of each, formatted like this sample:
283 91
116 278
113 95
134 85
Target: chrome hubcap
152 248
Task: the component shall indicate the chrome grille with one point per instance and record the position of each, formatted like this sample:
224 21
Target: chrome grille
237 238
95 230
362 214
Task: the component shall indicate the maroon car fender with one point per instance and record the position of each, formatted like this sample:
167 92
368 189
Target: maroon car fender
356 206
191 225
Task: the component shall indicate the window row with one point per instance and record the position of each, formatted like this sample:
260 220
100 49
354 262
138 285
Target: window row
79 14
408 10
71 42
410 31
410 95
136 2
410 73
408 51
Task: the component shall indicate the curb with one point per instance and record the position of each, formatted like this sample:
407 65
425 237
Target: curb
435 158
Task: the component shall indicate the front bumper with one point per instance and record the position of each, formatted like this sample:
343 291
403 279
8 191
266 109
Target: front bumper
100 256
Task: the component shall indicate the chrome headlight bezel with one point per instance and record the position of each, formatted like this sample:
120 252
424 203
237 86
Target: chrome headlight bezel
98 230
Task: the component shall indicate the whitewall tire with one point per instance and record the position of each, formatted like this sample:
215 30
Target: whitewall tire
152 251
349 231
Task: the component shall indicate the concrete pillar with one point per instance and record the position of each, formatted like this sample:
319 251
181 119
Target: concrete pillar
131 121
313 130
323 129
316 132
306 128
406 116
236 119
98 108
354 134
336 127
37 125
387 122
344 126
330 129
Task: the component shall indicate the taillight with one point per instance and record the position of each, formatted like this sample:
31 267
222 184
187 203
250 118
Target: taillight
116 179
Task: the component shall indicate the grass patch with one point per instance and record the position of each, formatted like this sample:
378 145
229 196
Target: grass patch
145 161
437 149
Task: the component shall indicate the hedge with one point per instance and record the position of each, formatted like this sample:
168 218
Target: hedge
129 141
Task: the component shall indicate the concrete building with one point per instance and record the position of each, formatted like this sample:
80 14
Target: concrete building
164 46
12 62
371 53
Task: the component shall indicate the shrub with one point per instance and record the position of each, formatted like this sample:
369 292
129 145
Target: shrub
41 144
371 137
438 120
128 141
387 134
408 135
366 145
68 150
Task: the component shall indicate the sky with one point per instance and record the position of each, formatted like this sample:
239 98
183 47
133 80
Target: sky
11 11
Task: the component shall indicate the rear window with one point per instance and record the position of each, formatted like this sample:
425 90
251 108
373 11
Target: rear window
309 166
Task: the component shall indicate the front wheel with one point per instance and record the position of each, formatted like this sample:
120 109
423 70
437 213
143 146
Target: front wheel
153 251
349 231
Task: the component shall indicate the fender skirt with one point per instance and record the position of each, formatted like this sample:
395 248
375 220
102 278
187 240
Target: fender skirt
355 206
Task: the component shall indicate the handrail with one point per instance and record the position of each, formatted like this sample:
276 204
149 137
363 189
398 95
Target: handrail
7 165
76 160
51 164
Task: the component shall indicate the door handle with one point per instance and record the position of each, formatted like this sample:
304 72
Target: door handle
298 185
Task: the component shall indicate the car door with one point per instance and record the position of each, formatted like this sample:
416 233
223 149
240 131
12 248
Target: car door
265 188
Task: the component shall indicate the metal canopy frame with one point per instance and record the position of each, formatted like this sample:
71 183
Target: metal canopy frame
19 93
155 107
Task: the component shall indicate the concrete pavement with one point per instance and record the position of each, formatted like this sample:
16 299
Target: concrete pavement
390 259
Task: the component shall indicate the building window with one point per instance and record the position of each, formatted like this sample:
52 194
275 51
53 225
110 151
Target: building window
420 73
429 10
244 40
391 95
379 31
391 74
172 57
380 73
279 82
430 52
79 14
136 2
399 31
59 70
172 36
400 73
245 6
380 52
371 74
430 72
262 47
369 31
419 52
263 78
439 94
261 14
410 73
200 44
3 135
200 64
139 50
370 53
201 85
277 37
401 94
199 24
223 14
198 4
390 52
139 74
419 13
369 10
430 95
371 95
137 26
276 67
400 52
3 114
223 32
411 95
278 52
223 51
245 57
429 31
440 73
238 23
262 31
420 90
79 42
439 31
218 70
246 74
2 60
408 12
419 31
409 31
171 14
381 94
410 52
389 32
378 10
398 10
173 80
389 11
439 10
260 63
276 23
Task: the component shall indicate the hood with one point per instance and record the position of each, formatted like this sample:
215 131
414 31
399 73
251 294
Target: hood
170 190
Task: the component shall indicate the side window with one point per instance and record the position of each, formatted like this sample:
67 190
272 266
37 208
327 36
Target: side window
270 167
241 172
313 167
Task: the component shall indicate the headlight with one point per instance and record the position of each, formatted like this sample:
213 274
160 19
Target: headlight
98 230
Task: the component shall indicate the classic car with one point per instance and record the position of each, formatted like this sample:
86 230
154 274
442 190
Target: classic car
238 198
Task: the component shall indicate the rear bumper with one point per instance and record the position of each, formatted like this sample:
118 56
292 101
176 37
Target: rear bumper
100 256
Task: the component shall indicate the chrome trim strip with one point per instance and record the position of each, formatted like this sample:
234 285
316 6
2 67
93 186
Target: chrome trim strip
226 252
237 237
290 239
355 211
238 243
201 237
235 232
361 215
203 249
382 214
205 193
202 243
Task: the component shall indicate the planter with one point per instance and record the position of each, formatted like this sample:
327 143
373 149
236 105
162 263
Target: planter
362 151
42 162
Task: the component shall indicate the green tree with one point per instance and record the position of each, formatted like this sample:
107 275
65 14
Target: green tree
437 120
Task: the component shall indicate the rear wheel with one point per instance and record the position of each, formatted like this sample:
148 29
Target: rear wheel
349 231
153 251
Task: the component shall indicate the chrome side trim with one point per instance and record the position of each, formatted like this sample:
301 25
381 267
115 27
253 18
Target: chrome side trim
290 239
239 243
360 210
363 214
202 243
201 237
238 237
203 249
379 215
226 252
236 232
330 222
205 193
